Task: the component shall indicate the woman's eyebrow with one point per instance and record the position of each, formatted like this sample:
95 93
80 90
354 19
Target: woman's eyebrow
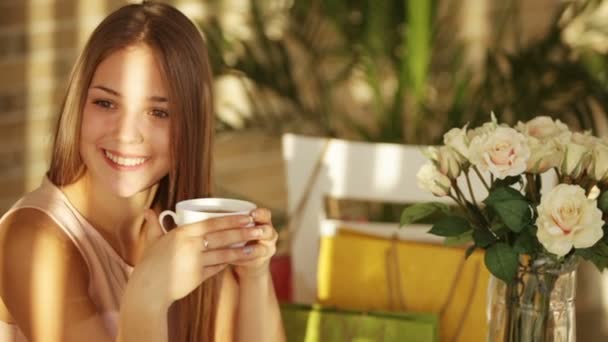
115 93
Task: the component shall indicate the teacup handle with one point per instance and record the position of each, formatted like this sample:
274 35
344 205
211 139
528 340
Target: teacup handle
164 214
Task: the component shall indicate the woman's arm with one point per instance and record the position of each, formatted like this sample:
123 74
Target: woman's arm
44 284
258 317
258 314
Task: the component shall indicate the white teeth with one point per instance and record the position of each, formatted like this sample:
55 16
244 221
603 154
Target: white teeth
124 161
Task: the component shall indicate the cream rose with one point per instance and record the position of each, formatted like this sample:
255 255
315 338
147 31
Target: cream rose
430 179
446 160
457 139
576 159
545 128
546 139
486 128
544 155
585 139
567 218
598 168
503 152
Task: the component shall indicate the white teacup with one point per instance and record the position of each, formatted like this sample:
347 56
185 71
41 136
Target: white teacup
200 209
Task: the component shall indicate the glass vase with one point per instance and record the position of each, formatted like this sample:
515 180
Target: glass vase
538 306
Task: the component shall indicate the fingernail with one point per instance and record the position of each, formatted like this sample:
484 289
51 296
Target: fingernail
248 250
245 220
256 232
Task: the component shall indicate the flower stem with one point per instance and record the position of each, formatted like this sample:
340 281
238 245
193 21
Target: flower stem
464 208
470 188
590 187
531 188
493 233
559 176
481 178
548 284
459 202
459 192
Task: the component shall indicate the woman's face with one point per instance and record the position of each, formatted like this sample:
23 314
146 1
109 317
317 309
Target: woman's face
126 123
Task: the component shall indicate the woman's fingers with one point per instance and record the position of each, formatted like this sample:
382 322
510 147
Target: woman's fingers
233 255
226 238
266 251
261 215
216 224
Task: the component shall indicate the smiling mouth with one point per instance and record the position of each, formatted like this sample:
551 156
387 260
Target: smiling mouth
122 161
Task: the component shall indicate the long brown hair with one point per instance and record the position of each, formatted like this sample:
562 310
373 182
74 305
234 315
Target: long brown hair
182 55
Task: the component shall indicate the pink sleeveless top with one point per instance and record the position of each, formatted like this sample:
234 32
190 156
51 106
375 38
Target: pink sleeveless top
108 272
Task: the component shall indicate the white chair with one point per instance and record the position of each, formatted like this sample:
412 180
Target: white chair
356 170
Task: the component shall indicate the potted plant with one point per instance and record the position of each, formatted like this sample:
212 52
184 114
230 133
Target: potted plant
532 240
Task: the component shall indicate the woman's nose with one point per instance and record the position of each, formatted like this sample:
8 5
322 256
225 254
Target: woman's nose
128 128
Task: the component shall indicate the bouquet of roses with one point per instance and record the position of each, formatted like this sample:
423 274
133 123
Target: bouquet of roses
515 219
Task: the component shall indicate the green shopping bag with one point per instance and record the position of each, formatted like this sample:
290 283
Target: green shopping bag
304 323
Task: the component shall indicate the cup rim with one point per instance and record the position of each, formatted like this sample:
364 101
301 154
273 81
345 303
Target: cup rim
241 205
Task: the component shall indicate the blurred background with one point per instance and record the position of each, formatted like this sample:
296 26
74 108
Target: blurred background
401 71
379 71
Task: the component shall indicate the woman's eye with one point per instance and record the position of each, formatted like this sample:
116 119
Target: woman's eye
104 104
159 113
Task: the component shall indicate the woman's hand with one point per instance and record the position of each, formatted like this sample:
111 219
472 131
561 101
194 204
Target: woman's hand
264 248
176 263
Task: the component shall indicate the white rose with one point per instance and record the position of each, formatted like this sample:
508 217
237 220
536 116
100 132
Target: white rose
457 139
430 179
598 168
503 152
546 139
585 139
543 155
446 160
578 154
486 128
567 218
544 128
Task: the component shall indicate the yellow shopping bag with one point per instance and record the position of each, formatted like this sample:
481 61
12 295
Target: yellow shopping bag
363 272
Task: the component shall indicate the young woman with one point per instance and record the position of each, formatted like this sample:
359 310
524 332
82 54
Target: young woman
83 257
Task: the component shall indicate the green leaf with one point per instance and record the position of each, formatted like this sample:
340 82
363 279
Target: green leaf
511 206
459 240
602 201
504 194
502 261
450 226
419 211
507 182
525 243
483 238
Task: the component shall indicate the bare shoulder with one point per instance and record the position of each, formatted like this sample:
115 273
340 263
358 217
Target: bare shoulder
40 268
28 234
28 224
